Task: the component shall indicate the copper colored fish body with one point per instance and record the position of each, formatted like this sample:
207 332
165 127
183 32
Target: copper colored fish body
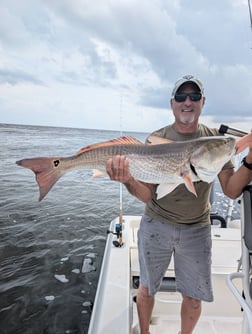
165 164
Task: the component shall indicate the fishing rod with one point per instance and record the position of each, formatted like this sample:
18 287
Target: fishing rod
120 185
119 225
231 131
224 129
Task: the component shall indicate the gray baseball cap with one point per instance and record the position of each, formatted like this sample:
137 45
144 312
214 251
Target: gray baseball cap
187 78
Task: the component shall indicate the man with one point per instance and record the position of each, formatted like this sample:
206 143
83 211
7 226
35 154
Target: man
179 223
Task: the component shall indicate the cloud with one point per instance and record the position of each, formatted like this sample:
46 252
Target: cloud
82 55
13 77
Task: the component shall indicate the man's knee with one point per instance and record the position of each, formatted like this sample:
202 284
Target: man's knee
192 302
143 292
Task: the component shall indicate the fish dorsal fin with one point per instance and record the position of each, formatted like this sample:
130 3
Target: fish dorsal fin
154 140
125 140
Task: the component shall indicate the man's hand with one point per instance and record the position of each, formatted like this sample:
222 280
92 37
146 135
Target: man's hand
244 142
118 169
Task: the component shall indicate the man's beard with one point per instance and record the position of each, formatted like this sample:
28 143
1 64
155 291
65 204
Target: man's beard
188 118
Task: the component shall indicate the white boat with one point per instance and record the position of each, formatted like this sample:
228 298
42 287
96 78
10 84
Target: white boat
114 310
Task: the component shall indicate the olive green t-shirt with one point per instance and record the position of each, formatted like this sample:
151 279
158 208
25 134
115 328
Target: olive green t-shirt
181 206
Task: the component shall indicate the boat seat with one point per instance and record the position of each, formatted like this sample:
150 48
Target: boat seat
248 217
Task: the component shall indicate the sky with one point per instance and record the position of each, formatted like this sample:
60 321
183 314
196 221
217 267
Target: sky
112 64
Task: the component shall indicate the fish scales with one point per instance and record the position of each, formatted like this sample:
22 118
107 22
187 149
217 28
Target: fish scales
152 164
142 153
158 167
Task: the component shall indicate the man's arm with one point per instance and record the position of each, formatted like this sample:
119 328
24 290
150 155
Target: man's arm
232 182
118 170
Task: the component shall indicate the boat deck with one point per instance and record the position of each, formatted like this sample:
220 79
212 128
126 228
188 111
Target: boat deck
115 312
224 315
206 325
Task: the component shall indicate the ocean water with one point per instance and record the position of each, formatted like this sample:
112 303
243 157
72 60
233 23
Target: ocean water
44 244
43 287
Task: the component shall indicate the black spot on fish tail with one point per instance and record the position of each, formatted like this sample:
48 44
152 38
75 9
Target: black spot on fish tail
56 163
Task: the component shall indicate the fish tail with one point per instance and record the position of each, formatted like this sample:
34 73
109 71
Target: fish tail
47 172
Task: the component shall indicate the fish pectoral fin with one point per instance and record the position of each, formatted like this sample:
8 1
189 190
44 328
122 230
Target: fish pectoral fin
189 183
125 140
164 189
98 173
154 140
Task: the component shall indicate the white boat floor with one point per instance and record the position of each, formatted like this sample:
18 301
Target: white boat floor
114 312
206 325
223 316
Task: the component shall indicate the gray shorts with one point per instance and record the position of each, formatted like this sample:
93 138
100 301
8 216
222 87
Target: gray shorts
191 247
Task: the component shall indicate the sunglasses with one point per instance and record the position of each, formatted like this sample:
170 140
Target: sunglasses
181 97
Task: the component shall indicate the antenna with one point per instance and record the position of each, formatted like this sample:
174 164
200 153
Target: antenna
250 14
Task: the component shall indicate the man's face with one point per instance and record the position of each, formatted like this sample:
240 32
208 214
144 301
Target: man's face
188 111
